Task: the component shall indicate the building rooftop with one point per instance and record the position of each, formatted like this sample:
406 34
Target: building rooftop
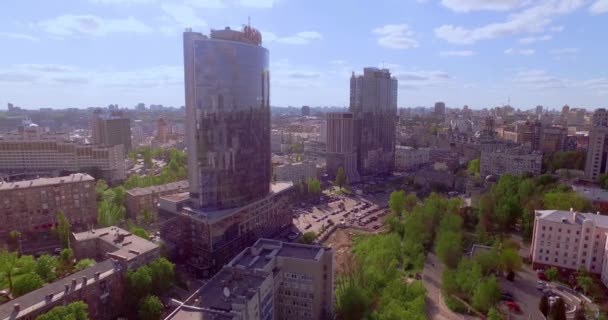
128 246
177 197
592 193
160 188
216 298
567 217
77 177
216 215
41 297
262 252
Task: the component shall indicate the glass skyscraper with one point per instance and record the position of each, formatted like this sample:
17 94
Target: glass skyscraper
228 118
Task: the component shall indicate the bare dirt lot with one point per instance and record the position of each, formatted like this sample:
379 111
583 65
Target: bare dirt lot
341 241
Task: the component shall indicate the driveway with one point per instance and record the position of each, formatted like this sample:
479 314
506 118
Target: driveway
435 306
525 293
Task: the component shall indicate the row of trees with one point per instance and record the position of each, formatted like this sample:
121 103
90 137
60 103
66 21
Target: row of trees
145 284
23 274
175 170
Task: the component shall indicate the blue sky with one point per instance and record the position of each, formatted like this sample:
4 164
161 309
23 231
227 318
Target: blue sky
476 52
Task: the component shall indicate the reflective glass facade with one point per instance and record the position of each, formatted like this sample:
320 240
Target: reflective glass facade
228 120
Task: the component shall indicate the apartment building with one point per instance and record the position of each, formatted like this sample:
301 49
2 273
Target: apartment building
269 280
570 240
407 158
112 130
33 152
294 172
141 199
33 205
597 153
100 286
515 162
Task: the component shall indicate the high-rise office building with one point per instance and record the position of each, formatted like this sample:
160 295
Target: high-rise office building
341 151
373 102
305 111
231 200
439 109
111 130
597 151
227 84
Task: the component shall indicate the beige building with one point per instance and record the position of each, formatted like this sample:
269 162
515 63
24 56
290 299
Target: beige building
270 280
33 205
570 240
407 158
140 199
112 130
294 172
31 152
510 162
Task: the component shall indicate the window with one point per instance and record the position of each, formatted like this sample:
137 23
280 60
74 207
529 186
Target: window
550 228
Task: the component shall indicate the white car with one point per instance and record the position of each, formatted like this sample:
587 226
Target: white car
540 285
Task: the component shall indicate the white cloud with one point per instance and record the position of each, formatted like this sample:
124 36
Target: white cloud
482 5
179 17
529 40
564 51
557 29
538 79
599 7
396 36
599 85
20 36
422 78
461 53
67 25
258 3
122 2
206 3
533 19
521 52
339 62
300 38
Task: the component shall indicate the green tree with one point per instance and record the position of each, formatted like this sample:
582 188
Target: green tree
410 202
66 261
63 229
109 214
308 237
489 261
543 305
147 215
8 266
493 314
510 260
560 200
150 308
397 202
352 301
139 283
558 310
45 267
26 283
83 264
449 247
585 282
147 155
162 272
486 294
140 232
74 311
473 167
100 187
340 178
579 314
120 195
552 274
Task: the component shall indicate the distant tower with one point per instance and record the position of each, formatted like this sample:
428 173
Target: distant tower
161 130
439 109
305 111
373 102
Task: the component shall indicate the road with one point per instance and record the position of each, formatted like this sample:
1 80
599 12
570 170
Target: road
525 294
431 276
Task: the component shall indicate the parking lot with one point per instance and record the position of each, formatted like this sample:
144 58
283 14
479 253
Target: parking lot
350 211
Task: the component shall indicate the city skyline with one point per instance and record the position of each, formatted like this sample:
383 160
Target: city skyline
459 51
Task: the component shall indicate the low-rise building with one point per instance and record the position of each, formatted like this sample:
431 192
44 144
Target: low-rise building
270 280
141 200
33 205
408 158
570 240
207 239
100 286
294 172
510 162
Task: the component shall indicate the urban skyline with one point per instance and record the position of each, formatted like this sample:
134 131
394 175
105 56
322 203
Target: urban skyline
125 51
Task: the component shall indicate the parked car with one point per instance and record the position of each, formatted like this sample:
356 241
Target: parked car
513 306
541 275
540 285
308 226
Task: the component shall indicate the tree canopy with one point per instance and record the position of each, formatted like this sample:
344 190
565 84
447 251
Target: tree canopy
74 311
